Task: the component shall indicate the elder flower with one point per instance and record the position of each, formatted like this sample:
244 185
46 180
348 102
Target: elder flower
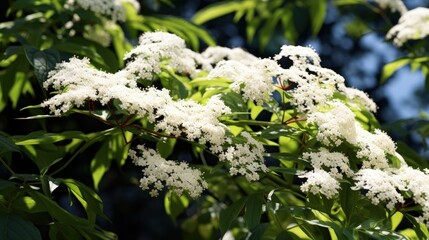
145 61
245 158
393 5
413 25
111 8
335 163
320 181
159 173
381 186
335 124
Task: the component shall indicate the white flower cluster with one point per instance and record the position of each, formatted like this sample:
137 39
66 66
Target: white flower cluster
159 173
254 83
217 54
335 163
413 25
145 60
111 8
335 124
245 159
393 5
315 85
373 148
193 120
388 185
329 167
75 82
380 186
320 181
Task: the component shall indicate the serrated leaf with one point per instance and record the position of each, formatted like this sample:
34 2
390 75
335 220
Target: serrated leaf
13 227
228 215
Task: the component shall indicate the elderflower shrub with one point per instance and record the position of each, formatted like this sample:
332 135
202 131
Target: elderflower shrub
217 99
412 25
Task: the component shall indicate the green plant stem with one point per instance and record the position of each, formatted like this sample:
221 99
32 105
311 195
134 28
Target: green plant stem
249 122
85 146
7 166
282 183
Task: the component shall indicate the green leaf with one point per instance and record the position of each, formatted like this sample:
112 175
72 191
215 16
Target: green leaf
28 204
113 148
89 199
253 210
166 147
276 131
269 27
217 10
236 103
420 229
175 205
257 233
218 82
42 61
390 68
13 227
7 145
318 11
40 137
228 215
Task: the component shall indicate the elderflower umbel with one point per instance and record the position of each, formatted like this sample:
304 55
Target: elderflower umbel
416 183
155 48
195 121
381 186
413 25
111 8
159 173
373 148
217 54
393 5
245 158
336 123
335 163
254 83
320 181
300 56
360 99
78 82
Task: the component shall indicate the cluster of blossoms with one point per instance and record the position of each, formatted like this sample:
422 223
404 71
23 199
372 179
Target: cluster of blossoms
318 94
77 82
393 5
413 25
113 9
158 172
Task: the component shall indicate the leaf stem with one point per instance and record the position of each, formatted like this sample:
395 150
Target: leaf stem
7 166
83 147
